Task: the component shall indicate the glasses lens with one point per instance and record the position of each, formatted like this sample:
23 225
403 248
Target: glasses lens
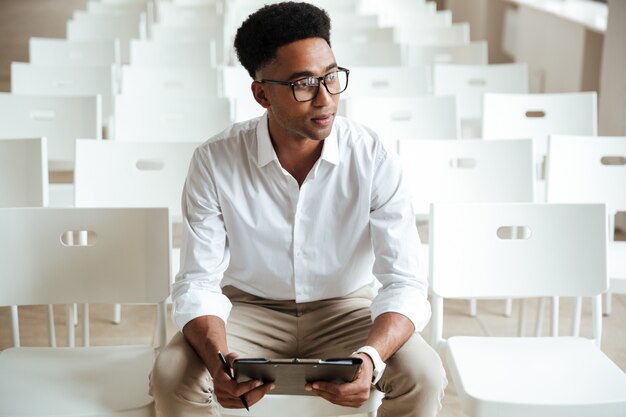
336 82
306 93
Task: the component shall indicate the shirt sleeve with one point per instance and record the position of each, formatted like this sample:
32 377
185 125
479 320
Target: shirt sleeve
204 254
399 263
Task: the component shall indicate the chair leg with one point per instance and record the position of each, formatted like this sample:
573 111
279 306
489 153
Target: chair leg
521 323
541 306
508 307
608 303
117 314
578 307
52 335
554 329
15 326
472 307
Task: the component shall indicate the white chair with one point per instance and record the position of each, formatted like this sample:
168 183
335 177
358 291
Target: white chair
446 171
172 54
508 116
132 174
363 34
163 33
470 82
49 51
394 118
354 21
473 53
91 26
67 80
307 406
455 34
410 24
392 12
378 54
591 170
236 86
118 255
176 119
519 376
199 14
60 119
169 81
388 81
23 173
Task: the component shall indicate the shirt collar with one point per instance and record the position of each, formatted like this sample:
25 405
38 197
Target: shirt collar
266 152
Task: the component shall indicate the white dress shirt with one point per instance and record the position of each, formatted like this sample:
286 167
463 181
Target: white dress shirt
248 224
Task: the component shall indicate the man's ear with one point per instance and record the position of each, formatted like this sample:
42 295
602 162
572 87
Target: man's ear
258 91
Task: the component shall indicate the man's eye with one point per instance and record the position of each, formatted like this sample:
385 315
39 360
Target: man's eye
305 83
331 77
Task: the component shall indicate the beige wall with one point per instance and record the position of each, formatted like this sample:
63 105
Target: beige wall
21 19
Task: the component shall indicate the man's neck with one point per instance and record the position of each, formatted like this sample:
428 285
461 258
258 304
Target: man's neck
297 156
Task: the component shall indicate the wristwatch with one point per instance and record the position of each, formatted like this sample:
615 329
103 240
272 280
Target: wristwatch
379 365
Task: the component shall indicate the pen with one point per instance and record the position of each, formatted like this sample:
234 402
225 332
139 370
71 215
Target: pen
227 370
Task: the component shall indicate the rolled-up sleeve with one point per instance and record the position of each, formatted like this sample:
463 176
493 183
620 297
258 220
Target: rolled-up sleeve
399 263
204 254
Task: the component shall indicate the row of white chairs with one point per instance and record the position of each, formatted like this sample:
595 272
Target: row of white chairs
564 376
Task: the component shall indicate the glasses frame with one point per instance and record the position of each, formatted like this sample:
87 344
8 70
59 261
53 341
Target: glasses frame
321 80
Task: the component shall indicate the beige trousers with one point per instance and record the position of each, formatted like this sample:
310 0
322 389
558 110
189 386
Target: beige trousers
413 382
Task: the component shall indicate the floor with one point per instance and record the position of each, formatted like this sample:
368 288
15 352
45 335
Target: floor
137 322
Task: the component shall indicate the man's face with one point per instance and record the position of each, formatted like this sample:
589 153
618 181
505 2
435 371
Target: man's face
288 117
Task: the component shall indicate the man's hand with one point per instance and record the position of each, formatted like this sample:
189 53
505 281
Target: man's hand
351 394
228 392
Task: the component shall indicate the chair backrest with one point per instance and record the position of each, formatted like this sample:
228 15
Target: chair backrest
392 12
49 51
388 81
172 54
560 250
363 34
177 119
537 116
68 80
205 14
163 33
587 169
393 118
131 174
470 82
23 173
467 171
455 34
60 119
373 54
169 81
124 258
92 26
473 53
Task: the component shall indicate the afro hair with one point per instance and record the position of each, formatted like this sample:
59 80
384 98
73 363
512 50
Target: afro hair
275 25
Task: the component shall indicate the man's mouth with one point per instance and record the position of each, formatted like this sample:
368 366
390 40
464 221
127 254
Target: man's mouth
323 120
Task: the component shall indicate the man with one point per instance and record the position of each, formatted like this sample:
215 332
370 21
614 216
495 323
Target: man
286 217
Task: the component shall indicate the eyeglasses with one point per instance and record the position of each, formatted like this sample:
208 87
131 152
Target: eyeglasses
306 89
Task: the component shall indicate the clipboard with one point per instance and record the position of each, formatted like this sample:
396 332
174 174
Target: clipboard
290 375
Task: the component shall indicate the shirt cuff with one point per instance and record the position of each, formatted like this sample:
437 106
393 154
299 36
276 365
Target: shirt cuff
198 303
411 304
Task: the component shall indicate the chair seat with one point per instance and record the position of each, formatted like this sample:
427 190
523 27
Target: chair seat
303 406
90 381
535 377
